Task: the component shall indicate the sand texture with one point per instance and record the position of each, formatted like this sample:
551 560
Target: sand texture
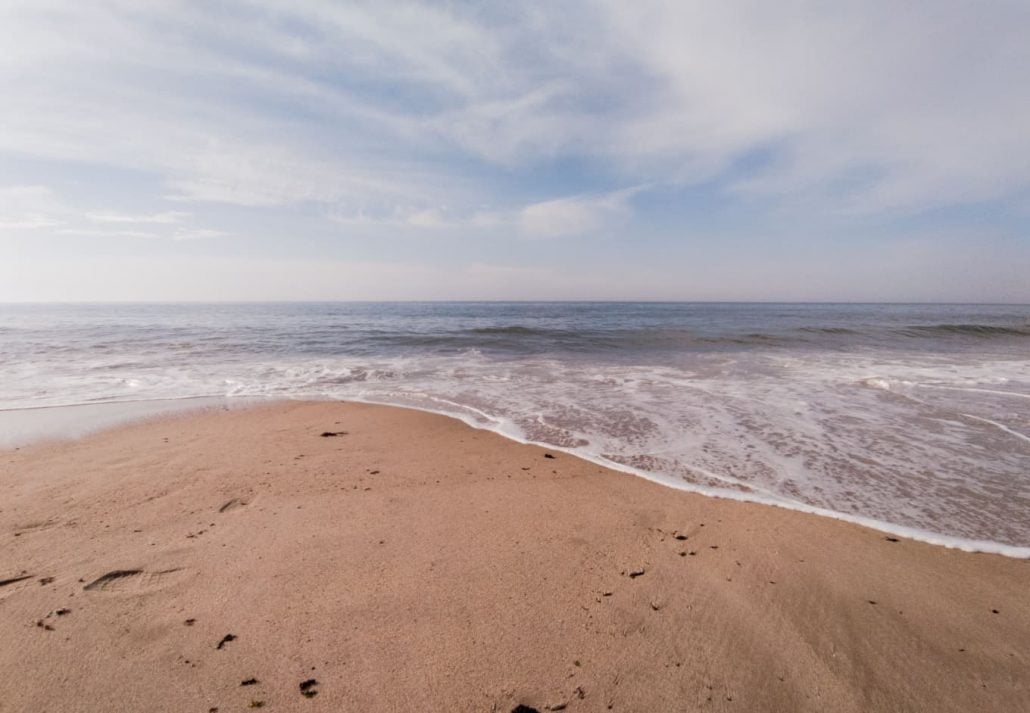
227 561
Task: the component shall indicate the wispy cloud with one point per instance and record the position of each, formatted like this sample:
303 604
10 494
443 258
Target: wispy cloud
164 218
264 119
926 111
39 210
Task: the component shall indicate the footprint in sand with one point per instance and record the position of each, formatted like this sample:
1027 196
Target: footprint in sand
136 581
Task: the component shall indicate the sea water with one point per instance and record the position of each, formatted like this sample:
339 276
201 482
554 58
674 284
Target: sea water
912 418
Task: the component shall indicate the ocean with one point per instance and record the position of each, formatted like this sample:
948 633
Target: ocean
914 419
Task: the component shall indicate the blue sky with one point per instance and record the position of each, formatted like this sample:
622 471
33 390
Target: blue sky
456 150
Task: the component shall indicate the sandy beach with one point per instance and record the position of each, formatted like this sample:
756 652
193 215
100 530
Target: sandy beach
346 557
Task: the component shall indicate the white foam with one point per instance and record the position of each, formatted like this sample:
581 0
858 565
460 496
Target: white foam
999 426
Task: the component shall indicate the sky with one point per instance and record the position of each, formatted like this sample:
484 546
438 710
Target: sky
604 150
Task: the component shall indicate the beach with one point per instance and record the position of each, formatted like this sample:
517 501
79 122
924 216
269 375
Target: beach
306 556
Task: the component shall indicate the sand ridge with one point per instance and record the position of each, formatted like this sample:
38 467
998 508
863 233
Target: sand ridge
225 561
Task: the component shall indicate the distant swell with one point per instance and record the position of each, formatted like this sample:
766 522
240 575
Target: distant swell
970 330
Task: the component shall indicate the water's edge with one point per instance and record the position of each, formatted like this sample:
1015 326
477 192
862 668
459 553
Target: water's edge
65 423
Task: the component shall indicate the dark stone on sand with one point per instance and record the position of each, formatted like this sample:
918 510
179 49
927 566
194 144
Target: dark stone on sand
995 611
891 539
43 581
637 573
249 682
333 434
548 455
225 640
679 536
190 622
62 611
307 688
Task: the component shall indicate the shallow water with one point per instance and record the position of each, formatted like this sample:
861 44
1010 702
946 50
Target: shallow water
910 416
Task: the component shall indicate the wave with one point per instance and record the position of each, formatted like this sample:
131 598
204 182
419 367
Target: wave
516 329
827 330
673 337
972 330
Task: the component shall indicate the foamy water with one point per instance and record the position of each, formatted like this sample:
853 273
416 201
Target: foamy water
915 419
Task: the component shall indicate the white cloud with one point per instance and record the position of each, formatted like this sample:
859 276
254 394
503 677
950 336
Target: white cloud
108 233
868 105
164 218
579 215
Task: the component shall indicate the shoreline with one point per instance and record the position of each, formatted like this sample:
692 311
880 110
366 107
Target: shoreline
411 562
184 406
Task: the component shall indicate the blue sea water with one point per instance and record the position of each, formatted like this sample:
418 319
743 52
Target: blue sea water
913 418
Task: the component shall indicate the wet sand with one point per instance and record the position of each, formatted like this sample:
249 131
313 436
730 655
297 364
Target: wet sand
345 557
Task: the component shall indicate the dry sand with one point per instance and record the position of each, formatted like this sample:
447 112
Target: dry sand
411 563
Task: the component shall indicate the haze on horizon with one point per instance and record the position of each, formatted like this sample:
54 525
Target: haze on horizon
255 150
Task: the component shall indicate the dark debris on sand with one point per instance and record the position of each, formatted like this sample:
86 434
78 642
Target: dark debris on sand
225 640
332 434
307 688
